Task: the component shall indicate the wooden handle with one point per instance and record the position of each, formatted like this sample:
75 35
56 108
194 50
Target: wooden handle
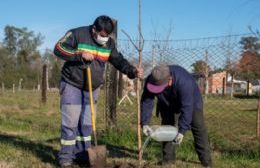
92 109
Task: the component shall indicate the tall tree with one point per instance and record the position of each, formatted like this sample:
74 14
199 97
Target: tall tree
200 67
10 40
249 66
21 46
250 44
249 62
7 68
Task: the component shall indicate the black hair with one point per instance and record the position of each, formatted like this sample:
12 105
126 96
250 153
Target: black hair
104 23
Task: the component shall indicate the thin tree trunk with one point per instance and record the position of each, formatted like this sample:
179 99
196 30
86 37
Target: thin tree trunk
138 87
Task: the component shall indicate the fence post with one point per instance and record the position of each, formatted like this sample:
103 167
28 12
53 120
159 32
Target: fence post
111 88
44 84
223 86
111 95
206 76
20 84
232 87
258 117
13 88
3 87
120 85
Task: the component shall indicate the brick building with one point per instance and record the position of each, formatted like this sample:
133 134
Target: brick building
217 82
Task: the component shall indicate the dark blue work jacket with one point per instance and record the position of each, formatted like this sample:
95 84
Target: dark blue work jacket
182 97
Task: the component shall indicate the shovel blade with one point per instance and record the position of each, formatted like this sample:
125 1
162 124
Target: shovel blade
97 156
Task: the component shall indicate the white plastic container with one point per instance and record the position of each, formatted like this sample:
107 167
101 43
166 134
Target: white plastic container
162 133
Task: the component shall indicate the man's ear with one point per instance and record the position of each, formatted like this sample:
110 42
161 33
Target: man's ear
93 29
170 82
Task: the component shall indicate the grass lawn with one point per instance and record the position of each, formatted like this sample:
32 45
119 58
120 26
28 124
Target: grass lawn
30 131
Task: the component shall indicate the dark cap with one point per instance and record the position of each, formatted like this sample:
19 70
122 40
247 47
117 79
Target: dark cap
158 80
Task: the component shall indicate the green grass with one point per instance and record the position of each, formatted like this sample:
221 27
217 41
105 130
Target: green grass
29 133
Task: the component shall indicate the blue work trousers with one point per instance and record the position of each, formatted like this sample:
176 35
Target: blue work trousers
75 123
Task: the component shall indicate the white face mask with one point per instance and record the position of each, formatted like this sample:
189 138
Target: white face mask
101 40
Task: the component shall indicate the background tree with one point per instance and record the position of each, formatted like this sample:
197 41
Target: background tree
6 67
248 65
200 67
249 62
21 52
250 44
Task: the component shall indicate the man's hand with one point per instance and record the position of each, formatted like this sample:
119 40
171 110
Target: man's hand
147 130
139 72
87 56
178 139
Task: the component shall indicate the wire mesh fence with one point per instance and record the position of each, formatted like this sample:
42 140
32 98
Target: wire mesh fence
231 102
230 93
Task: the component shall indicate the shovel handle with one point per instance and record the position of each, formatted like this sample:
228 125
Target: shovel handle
93 122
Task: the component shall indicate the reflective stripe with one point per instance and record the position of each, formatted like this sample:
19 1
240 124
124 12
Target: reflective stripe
67 142
80 138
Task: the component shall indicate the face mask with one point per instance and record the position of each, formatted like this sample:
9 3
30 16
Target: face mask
101 40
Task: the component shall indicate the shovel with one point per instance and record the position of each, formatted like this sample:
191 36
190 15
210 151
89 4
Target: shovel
96 153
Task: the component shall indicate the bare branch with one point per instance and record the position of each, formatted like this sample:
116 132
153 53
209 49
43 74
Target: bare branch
142 42
130 40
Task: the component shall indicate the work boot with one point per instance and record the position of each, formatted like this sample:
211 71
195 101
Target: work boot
169 155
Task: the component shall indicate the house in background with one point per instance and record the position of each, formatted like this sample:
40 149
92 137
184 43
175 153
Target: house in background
217 83
221 83
256 86
239 86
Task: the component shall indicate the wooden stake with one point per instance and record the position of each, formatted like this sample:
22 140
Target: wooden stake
258 118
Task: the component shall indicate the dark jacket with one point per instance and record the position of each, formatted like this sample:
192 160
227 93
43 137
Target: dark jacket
182 97
74 70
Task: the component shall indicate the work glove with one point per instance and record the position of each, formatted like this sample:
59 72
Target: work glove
178 138
147 130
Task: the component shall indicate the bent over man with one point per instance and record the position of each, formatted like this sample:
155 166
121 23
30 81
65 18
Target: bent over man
178 95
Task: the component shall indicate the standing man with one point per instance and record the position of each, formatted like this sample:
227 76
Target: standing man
80 46
178 95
